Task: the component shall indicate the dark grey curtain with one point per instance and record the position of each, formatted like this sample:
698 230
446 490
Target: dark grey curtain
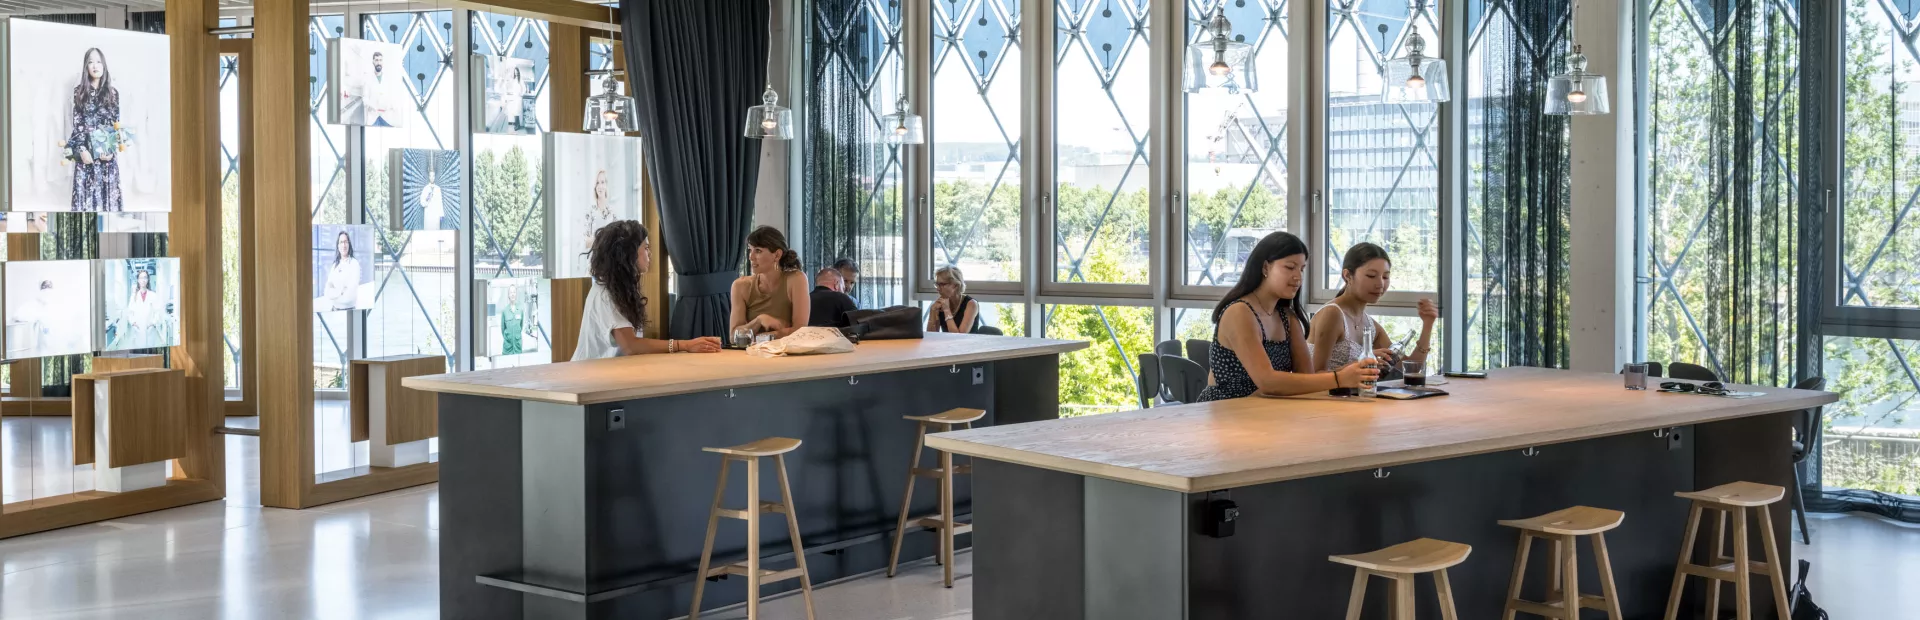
695 68
851 201
1523 203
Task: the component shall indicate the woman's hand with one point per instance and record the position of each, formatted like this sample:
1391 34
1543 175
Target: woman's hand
1354 374
1429 311
941 306
86 156
703 344
768 323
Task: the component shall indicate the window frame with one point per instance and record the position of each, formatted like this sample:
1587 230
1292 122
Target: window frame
1836 317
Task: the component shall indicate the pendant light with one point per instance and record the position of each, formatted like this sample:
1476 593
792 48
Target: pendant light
611 112
769 121
902 127
1576 92
1415 77
1216 62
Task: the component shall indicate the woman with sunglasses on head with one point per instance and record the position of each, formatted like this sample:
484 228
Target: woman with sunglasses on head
1260 331
1341 328
774 297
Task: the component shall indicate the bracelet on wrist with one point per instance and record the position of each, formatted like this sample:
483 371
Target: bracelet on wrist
672 346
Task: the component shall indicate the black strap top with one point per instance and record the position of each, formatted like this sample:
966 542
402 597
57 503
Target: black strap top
941 325
1229 377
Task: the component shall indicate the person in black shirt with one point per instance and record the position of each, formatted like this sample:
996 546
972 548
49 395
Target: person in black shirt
953 311
849 274
830 306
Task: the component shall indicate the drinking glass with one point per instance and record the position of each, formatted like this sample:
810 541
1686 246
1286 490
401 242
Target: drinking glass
1636 376
1413 373
743 336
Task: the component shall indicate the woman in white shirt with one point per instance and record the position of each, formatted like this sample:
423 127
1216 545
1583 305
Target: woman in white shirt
143 311
343 278
600 213
1343 332
616 312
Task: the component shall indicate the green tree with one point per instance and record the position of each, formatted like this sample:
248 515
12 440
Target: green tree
508 216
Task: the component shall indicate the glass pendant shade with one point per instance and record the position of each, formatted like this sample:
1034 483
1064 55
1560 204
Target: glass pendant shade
769 121
1577 92
1219 63
1416 77
902 127
611 111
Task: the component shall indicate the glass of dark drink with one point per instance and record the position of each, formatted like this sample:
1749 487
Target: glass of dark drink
1413 373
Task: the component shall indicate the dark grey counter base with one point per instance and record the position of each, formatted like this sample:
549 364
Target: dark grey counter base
1056 546
548 513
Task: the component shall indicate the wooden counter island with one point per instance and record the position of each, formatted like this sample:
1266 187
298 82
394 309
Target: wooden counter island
579 490
1104 517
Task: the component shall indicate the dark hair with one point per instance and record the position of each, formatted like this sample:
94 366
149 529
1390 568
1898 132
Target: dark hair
1275 246
616 247
1358 256
85 90
846 264
336 242
770 239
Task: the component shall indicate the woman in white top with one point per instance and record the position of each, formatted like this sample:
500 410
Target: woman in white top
601 212
143 311
616 312
1340 329
343 278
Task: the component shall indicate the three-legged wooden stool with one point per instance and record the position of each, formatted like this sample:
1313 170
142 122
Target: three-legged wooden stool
1731 499
942 523
1563 528
1400 563
750 454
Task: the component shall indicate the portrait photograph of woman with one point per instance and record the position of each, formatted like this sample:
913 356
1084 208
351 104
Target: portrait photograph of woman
595 181
343 267
48 305
506 98
91 119
138 298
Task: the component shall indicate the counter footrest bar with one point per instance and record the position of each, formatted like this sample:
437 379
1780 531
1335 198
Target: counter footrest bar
521 585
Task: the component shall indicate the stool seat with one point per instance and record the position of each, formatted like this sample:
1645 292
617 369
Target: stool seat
761 447
1575 521
951 416
1416 556
1742 494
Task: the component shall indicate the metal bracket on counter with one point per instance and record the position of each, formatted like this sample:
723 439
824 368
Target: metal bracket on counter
1382 473
853 381
954 370
1530 451
729 392
1662 433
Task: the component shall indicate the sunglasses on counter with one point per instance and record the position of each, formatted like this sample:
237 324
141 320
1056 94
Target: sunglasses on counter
1711 388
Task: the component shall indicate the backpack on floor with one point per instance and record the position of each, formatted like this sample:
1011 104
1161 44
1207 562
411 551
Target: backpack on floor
1803 607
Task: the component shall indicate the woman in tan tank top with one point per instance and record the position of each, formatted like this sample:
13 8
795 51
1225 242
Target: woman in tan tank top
774 298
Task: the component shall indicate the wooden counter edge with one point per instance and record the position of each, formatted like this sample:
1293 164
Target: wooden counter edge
431 383
1216 482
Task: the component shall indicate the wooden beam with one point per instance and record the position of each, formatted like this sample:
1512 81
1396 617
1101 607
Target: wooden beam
283 238
193 233
566 76
51 513
558 12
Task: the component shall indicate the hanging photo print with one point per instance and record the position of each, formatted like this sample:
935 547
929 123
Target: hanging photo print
592 180
343 267
91 116
139 298
49 307
514 315
429 183
507 95
369 83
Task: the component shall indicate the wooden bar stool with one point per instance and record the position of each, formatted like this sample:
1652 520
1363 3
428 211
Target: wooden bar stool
750 453
1562 528
1731 499
1400 563
942 523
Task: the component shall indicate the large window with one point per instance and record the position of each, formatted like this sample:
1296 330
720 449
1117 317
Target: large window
975 117
1100 128
1236 147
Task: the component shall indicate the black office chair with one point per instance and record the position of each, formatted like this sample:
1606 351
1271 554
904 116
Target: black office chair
988 330
1149 379
1806 435
1169 348
1690 372
1200 351
1183 378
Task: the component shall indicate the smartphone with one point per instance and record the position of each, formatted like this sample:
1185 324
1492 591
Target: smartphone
1466 375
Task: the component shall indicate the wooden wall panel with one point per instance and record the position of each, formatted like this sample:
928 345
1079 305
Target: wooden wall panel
193 233
412 415
569 300
147 411
282 231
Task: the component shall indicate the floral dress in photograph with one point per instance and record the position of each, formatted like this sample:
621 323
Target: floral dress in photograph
96 186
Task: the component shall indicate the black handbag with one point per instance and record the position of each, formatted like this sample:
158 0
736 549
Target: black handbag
1803 607
895 323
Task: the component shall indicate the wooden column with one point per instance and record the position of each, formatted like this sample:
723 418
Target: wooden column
193 233
283 238
566 76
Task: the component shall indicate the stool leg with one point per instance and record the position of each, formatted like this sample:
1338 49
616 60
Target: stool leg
906 501
1570 589
1775 570
1519 573
1444 588
1686 557
1553 570
793 533
1403 597
1742 570
706 550
1358 598
946 514
753 539
1607 589
1719 548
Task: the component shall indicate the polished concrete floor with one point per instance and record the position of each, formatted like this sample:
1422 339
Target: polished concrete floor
375 558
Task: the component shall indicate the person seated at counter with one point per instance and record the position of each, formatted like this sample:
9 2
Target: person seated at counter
773 299
1341 329
849 275
953 311
830 305
1264 305
616 312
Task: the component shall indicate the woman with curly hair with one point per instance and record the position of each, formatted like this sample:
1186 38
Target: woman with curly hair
616 312
774 298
